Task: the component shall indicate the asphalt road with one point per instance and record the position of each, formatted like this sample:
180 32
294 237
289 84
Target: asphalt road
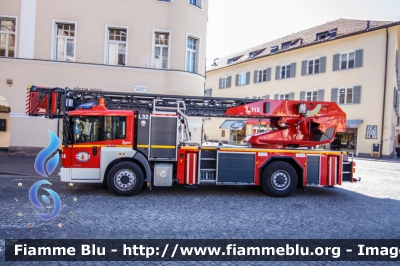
364 210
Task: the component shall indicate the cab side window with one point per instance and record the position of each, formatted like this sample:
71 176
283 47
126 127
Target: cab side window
87 129
98 128
115 127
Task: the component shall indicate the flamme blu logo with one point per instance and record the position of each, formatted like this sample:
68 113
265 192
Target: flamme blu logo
42 157
35 201
45 163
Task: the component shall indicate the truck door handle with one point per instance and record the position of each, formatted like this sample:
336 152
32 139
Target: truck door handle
95 150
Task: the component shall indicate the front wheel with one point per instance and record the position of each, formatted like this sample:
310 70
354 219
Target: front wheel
125 179
279 179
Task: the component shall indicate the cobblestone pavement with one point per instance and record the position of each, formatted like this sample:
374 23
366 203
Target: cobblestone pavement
368 209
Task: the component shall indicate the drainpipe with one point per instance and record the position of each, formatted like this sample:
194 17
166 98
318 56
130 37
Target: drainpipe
384 93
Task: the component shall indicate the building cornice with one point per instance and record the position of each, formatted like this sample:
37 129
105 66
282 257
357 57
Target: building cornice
102 66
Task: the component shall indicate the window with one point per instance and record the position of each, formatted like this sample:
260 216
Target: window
314 95
242 79
197 3
225 82
191 55
65 42
163 0
347 60
313 67
322 35
117 39
284 96
262 75
285 71
234 59
115 127
208 93
255 53
97 128
261 97
161 50
311 95
345 95
7 37
285 45
274 49
326 35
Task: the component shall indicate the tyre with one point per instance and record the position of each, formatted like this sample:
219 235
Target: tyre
125 179
279 179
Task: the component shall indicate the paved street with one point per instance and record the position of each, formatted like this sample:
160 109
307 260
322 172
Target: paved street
368 209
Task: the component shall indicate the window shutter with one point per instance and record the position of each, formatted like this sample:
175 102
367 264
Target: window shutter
266 97
302 96
220 83
277 72
228 82
320 96
255 76
357 94
336 59
322 64
248 78
292 70
359 58
268 74
276 96
334 95
237 80
291 96
304 67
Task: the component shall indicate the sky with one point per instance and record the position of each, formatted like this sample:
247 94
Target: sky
236 25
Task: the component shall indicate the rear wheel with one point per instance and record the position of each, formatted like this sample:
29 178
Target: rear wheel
279 179
125 179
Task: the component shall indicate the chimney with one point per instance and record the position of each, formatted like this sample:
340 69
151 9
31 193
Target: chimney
368 24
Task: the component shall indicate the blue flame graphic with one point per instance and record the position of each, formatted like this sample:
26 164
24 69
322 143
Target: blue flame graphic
41 158
35 201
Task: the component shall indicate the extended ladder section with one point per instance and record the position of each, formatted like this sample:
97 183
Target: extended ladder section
57 102
292 123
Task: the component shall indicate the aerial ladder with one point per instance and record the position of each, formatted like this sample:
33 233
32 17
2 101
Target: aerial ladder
127 140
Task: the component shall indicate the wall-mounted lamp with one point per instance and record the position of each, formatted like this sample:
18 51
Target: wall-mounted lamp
10 82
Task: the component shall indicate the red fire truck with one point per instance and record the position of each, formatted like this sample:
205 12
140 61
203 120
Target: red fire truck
129 140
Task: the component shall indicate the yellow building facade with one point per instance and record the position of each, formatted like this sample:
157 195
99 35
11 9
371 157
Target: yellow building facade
351 62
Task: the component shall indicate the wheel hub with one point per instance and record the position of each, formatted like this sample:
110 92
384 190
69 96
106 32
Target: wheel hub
280 180
125 179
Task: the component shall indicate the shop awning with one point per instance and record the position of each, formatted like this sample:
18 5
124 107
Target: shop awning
254 121
353 123
233 124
